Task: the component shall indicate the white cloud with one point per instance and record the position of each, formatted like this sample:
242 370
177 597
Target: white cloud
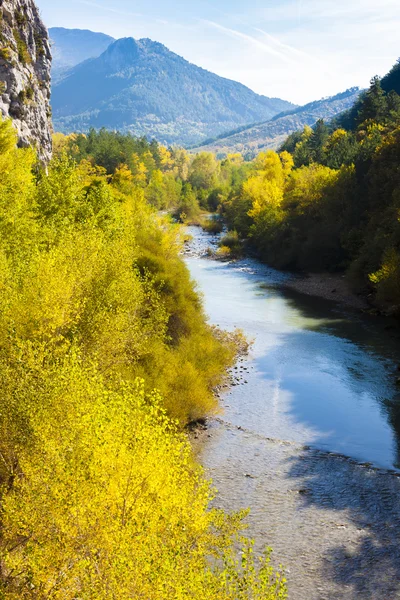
298 50
289 49
252 41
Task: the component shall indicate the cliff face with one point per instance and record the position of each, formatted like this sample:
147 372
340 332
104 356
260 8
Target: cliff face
25 63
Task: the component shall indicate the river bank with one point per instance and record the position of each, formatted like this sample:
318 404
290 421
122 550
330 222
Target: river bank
325 285
328 286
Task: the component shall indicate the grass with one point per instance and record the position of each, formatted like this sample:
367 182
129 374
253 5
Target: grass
22 49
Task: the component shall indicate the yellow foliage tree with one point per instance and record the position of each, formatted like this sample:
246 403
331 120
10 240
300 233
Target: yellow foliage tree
265 190
306 185
100 495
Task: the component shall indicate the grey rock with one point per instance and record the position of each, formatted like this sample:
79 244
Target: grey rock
25 64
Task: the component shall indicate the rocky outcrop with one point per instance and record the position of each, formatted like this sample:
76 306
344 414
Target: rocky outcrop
25 63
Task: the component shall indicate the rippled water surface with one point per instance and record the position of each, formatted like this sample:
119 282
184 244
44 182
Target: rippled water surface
310 431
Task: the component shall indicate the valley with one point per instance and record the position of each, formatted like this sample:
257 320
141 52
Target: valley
199 302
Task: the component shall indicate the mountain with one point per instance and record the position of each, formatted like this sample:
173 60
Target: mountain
271 134
73 46
142 87
25 62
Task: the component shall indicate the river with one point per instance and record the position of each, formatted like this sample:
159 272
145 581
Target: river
309 435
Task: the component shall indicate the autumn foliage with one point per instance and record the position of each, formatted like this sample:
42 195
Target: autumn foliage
105 355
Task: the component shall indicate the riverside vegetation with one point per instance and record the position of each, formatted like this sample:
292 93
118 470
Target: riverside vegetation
106 355
328 200
100 495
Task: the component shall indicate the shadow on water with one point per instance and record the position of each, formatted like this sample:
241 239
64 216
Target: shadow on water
367 498
378 335
366 357
323 389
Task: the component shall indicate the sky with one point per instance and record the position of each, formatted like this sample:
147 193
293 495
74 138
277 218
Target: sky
298 50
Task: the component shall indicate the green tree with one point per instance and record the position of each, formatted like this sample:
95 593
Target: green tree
203 171
317 141
374 105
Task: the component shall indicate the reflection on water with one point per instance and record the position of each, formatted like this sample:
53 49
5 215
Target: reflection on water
320 380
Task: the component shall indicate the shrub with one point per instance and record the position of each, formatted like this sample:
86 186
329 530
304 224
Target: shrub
224 252
20 18
23 53
29 93
101 496
110 503
213 225
232 241
39 44
5 54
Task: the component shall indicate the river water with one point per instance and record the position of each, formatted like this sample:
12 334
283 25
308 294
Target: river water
309 435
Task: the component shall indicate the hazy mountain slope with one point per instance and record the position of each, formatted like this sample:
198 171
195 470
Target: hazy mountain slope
72 46
142 87
271 134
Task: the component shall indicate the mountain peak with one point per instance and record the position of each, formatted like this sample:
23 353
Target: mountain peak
129 49
122 54
123 44
142 87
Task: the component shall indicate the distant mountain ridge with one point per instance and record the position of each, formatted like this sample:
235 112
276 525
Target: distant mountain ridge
142 87
73 46
254 138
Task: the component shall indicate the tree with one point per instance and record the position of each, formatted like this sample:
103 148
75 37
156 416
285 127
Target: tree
340 149
374 105
203 171
302 154
188 209
317 141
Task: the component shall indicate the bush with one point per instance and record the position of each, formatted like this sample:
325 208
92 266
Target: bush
5 54
213 225
232 241
39 44
224 252
20 18
23 53
101 497
107 501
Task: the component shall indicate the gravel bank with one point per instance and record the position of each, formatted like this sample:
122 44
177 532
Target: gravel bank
326 285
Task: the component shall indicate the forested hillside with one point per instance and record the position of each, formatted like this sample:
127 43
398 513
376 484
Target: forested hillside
143 88
329 199
252 139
